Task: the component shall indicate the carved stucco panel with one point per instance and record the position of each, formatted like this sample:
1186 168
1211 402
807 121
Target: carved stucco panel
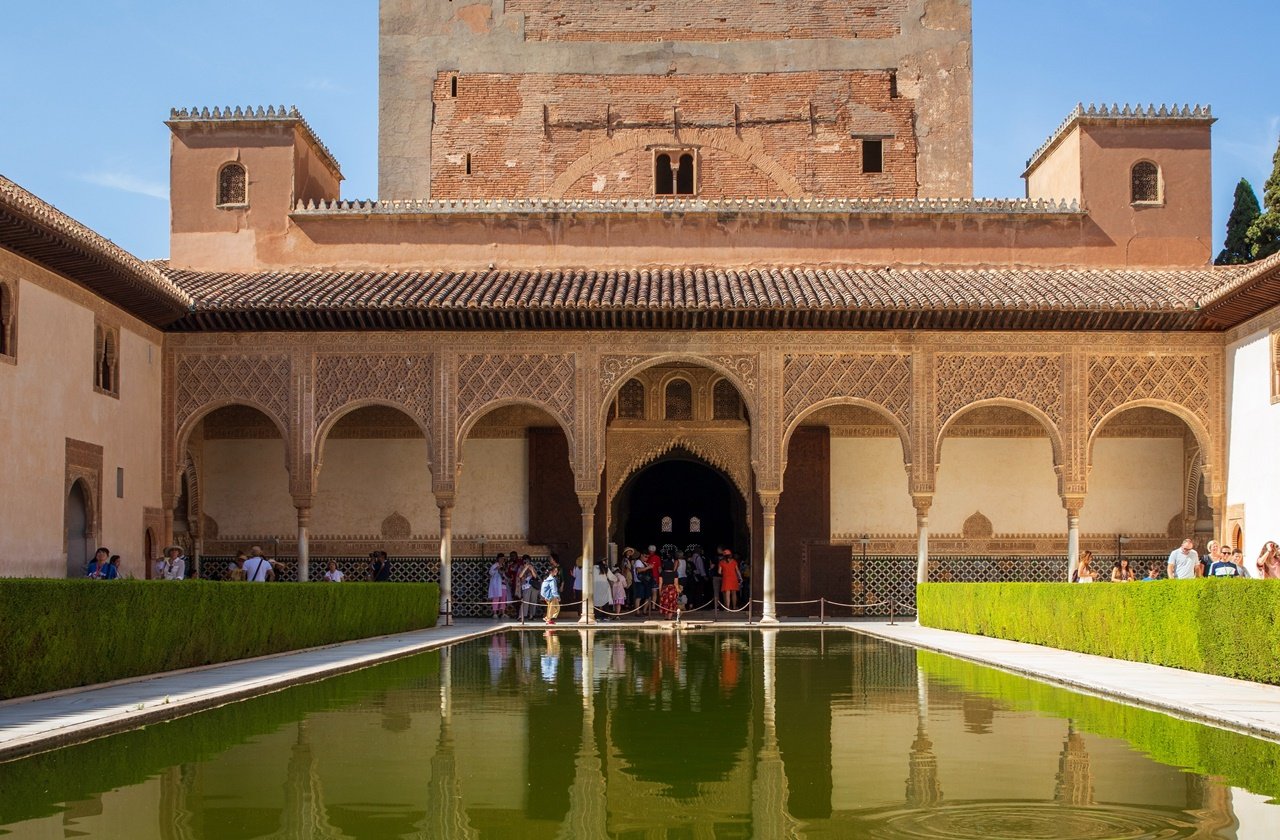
727 450
403 379
883 379
545 379
1183 379
207 379
966 378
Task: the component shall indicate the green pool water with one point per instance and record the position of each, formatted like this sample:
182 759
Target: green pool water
631 734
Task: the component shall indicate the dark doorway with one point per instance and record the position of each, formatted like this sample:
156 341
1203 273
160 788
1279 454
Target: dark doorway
76 527
683 488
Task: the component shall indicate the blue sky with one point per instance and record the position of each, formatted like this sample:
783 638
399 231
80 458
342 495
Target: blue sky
83 126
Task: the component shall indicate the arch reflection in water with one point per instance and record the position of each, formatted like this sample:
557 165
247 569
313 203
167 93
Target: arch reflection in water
624 734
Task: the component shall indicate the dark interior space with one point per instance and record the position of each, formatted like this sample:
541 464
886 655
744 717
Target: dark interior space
682 487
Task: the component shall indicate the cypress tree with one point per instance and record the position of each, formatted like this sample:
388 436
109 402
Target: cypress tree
1236 250
1264 233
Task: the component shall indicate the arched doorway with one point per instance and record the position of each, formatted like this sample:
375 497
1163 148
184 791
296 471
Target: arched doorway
698 502
76 527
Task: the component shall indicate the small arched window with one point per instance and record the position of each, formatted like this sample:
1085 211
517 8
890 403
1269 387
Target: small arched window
679 402
667 525
233 185
106 360
685 175
631 400
727 405
1145 183
664 179
8 316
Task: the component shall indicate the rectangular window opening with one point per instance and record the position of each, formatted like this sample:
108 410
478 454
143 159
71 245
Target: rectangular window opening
453 87
872 157
468 163
119 482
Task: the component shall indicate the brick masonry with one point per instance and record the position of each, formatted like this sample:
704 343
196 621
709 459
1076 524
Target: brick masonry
595 136
710 20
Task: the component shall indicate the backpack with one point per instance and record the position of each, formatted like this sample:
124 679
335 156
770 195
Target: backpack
549 591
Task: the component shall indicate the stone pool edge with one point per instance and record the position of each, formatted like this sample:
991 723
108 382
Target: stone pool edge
69 717
1133 688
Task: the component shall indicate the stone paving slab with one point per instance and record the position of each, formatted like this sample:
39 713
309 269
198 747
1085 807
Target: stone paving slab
31 725
1247 707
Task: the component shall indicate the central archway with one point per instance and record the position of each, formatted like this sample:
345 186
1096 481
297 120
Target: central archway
702 504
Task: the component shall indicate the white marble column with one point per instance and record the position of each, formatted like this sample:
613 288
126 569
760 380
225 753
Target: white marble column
304 543
586 576
446 552
922 504
768 574
1073 505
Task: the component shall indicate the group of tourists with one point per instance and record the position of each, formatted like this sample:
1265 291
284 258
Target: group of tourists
636 583
1185 563
103 566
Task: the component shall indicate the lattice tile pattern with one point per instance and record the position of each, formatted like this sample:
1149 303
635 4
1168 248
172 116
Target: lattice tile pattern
483 378
401 379
262 380
1181 379
881 379
966 378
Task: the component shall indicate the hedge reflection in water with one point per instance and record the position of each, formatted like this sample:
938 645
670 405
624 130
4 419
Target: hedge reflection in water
637 734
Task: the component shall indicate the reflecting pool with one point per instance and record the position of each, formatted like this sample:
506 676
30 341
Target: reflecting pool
633 734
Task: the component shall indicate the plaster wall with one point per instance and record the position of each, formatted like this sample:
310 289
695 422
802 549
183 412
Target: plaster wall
869 490
246 488
493 488
467 241
1058 174
1009 480
362 482
1136 486
48 396
1253 427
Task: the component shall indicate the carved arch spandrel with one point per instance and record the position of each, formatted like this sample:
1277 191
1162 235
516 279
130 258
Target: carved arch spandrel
486 381
725 451
203 383
1188 385
1034 379
742 370
347 383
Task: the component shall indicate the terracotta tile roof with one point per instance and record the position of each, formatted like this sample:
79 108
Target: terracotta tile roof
704 298
44 234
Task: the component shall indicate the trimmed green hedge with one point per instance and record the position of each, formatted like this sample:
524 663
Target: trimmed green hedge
57 634
1245 762
1226 627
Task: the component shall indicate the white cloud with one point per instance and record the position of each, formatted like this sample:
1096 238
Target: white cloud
125 182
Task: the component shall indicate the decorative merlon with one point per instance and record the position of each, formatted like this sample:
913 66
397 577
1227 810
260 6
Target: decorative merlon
801 206
249 113
1148 113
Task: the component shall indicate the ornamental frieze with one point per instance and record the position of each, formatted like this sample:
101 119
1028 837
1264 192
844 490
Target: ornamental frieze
204 380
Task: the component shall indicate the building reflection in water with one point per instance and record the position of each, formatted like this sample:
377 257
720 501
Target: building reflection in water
598 733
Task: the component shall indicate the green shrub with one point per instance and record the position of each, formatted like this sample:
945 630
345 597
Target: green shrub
1225 627
1244 762
57 634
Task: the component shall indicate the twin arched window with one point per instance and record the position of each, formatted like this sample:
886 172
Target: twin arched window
233 185
673 173
1145 183
106 360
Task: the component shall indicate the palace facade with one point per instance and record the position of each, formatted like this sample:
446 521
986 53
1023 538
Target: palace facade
650 276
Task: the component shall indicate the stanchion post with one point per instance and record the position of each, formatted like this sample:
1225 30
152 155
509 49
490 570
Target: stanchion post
893 611
822 609
448 612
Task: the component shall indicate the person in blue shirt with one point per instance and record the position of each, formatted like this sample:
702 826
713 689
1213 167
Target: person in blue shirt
112 569
98 565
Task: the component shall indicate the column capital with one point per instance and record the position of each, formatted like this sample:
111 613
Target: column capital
1072 503
445 500
588 501
303 502
769 501
922 502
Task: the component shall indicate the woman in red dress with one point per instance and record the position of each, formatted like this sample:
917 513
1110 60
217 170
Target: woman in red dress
669 600
730 580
